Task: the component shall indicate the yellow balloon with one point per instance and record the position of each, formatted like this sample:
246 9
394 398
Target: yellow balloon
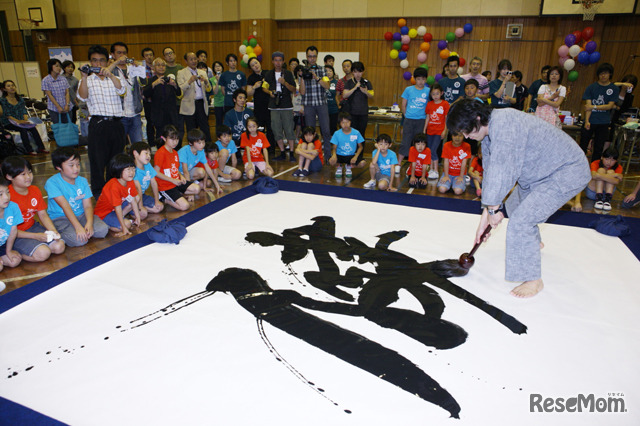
249 50
252 55
453 54
413 33
393 54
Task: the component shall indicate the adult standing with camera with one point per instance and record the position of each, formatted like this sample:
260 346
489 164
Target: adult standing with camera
162 92
260 101
102 91
314 99
280 85
499 99
194 107
357 92
129 71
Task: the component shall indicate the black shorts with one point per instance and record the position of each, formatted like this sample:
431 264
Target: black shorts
174 194
344 159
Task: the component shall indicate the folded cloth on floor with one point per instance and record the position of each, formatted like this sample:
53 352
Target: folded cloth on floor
167 232
266 185
614 226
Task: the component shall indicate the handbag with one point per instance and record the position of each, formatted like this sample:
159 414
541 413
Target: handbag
65 134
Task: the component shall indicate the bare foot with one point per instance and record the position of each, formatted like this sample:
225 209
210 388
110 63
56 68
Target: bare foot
190 198
541 245
528 289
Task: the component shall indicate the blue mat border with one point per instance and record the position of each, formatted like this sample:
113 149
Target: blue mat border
13 413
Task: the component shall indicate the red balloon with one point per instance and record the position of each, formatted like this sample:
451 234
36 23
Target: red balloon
578 36
250 37
427 37
461 62
587 33
405 47
388 36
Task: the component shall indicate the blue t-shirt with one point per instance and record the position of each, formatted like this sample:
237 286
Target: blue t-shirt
231 81
533 91
12 217
74 194
187 156
232 148
385 163
494 86
237 122
144 176
600 95
416 102
452 88
347 144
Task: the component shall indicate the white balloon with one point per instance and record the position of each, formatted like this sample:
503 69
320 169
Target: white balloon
404 64
574 50
242 49
460 71
422 30
245 58
569 64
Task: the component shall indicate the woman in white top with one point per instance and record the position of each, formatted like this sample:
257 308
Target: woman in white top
551 96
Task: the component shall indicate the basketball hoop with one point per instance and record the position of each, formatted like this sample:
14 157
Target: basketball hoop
590 8
27 25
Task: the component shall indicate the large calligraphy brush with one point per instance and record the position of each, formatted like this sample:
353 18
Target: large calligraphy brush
461 266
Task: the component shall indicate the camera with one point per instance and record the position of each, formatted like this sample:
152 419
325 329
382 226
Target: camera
509 72
306 72
88 69
166 79
278 96
129 61
363 83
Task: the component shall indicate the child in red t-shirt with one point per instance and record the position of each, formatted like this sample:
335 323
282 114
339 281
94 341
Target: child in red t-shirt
455 154
309 150
35 241
171 184
606 174
476 171
255 154
420 159
120 196
435 125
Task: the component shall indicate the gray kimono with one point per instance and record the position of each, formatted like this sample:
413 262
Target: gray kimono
549 168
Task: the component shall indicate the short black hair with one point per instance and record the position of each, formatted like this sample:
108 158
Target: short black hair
187 54
195 135
472 82
252 59
463 116
357 66
238 92
486 73
294 60
166 49
210 147
118 163
67 63
606 67
170 131
559 70
199 52
610 152
545 68
420 137
51 62
213 66
96 48
384 137
63 154
147 49
328 57
504 63
223 130
311 48
630 78
331 68
15 165
119 43
344 115
420 72
229 56
4 182
347 60
139 147
309 130
436 86
518 74
452 58
202 65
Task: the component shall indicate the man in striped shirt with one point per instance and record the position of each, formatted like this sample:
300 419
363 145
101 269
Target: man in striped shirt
314 99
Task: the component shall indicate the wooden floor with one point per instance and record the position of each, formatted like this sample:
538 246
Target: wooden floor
27 272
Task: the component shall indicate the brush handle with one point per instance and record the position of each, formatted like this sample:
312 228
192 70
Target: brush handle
484 234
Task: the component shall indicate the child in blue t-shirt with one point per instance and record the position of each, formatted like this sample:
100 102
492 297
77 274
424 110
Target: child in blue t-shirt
227 149
347 146
70 206
414 103
194 161
10 218
145 178
382 165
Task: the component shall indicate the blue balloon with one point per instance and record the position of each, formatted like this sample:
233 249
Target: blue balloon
397 36
594 57
583 57
404 30
570 40
402 55
467 28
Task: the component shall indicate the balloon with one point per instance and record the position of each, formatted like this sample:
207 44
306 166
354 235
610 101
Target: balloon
460 70
574 50
583 58
407 75
427 37
430 80
252 55
594 57
422 57
413 33
425 66
563 50
404 30
397 45
422 30
444 53
404 64
587 33
424 46
388 36
402 22
242 49
562 60
442 44
591 46
454 54
405 47
257 50
397 36
250 37
393 54
249 50
570 40
245 58
459 32
245 42
438 77
569 64
413 80
578 35
259 58
406 39
573 76
450 37
462 61
402 54
244 64
253 42
468 28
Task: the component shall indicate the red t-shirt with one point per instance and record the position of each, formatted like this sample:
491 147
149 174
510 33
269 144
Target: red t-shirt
420 158
29 204
456 155
437 115
255 144
594 168
213 164
476 165
113 194
317 145
169 165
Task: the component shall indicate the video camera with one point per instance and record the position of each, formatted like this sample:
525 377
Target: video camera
89 69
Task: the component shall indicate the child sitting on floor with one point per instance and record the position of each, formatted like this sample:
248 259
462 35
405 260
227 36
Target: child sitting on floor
256 155
35 241
309 150
476 171
194 161
10 218
119 197
70 207
455 154
382 168
606 174
420 159
227 150
144 178
212 153
347 146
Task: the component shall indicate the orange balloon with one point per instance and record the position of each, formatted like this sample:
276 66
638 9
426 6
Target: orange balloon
402 22
257 50
444 53
413 80
424 46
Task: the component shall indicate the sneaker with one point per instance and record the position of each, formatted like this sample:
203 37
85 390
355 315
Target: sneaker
467 179
223 179
292 157
348 172
606 206
397 169
370 184
600 205
433 174
339 172
298 173
305 172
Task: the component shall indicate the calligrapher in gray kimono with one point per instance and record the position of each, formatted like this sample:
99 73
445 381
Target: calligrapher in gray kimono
544 164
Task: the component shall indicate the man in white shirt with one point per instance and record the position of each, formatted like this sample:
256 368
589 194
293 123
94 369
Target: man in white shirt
195 85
